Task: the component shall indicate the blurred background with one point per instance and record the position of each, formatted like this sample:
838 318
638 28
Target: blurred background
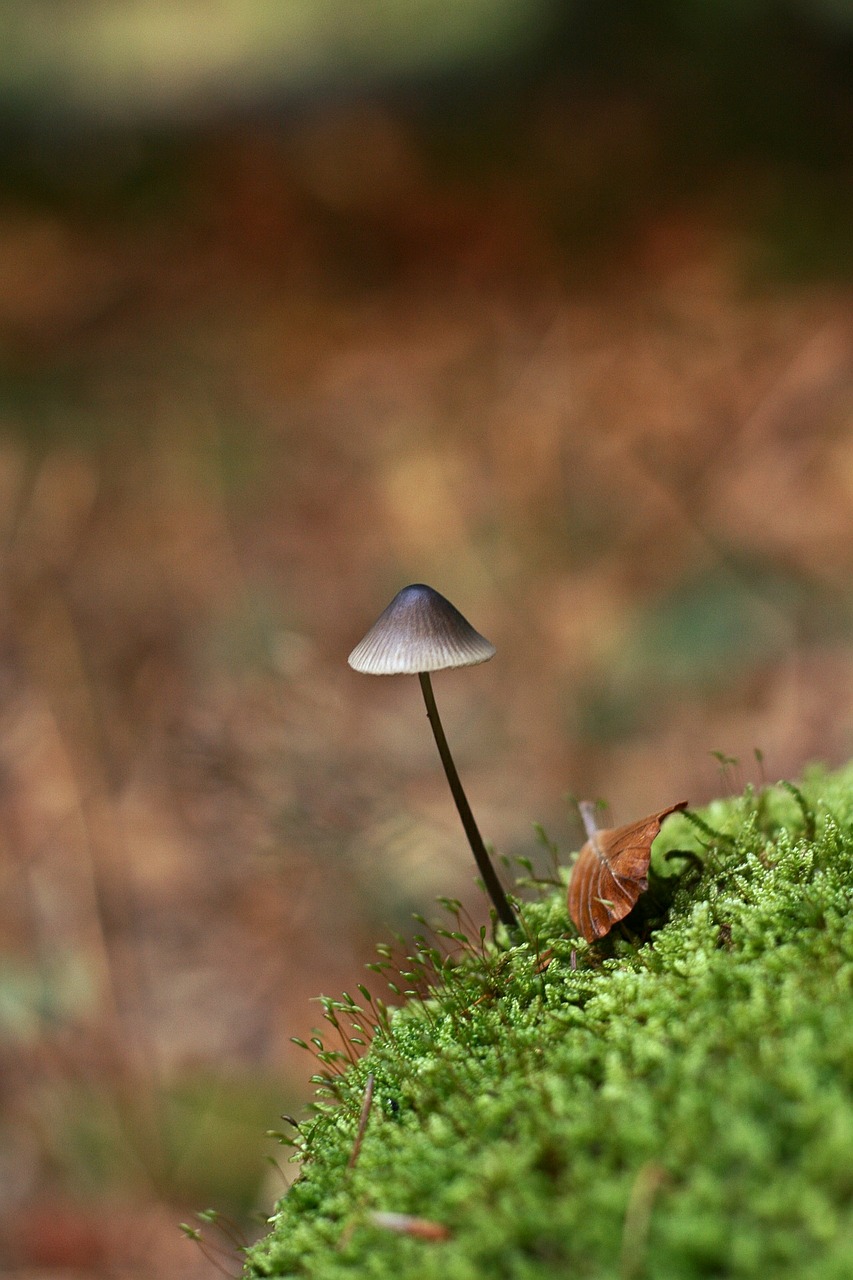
547 304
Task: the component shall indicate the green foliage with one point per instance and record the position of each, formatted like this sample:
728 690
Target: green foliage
674 1104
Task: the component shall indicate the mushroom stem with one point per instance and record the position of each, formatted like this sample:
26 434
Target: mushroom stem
484 863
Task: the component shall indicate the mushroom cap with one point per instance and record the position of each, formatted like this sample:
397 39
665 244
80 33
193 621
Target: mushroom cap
419 631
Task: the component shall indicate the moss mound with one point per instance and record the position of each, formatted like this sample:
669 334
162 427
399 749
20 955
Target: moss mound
676 1105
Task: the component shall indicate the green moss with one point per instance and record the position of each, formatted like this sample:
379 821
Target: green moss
679 1104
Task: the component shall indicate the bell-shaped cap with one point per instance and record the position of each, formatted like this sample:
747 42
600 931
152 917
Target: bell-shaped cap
419 631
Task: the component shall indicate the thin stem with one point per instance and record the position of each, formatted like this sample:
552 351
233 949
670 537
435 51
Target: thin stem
472 831
362 1120
586 809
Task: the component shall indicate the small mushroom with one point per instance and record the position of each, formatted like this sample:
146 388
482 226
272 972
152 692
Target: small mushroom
418 633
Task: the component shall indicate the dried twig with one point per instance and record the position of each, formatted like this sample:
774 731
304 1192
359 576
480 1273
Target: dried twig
362 1120
405 1224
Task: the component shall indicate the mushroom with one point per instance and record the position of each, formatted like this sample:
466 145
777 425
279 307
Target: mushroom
418 633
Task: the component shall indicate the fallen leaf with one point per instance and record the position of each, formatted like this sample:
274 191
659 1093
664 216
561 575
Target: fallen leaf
611 872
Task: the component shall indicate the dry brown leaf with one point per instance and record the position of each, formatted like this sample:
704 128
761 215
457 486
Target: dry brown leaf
611 872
